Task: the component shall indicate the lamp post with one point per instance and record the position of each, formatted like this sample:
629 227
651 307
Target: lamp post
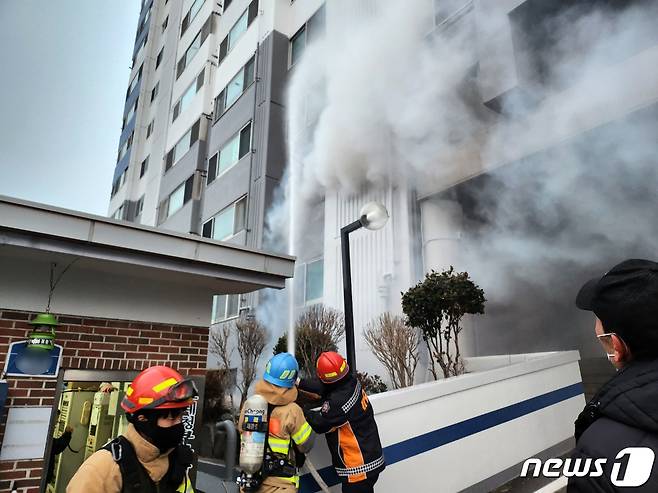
373 217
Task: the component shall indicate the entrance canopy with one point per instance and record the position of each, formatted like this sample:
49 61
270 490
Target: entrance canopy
122 270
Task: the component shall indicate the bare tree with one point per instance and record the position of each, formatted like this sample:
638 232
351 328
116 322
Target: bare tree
251 340
318 329
395 345
218 345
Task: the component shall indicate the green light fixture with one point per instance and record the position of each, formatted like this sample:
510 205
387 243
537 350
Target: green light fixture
42 337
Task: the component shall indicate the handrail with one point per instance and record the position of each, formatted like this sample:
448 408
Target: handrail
231 442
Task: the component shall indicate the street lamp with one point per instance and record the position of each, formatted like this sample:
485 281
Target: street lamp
373 217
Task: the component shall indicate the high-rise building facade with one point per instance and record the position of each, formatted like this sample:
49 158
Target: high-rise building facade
489 145
202 148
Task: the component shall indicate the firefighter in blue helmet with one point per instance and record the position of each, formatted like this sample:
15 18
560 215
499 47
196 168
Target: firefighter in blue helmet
289 435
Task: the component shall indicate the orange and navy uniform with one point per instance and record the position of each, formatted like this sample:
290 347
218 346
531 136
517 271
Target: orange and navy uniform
347 419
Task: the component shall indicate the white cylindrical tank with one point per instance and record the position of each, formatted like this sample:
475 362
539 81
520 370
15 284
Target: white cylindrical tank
253 434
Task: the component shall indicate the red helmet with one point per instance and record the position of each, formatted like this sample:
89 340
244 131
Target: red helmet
331 367
158 387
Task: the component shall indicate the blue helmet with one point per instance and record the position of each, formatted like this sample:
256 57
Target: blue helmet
282 370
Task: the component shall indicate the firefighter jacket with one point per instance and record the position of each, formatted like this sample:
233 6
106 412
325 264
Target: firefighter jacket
347 418
101 473
288 429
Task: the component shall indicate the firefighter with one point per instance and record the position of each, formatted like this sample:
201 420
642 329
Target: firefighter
150 456
289 435
347 419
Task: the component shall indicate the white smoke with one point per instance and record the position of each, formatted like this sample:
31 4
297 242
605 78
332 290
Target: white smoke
380 99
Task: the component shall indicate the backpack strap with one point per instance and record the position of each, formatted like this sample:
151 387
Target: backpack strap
180 460
124 455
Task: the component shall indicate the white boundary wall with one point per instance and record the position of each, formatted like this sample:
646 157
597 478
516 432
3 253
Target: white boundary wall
452 434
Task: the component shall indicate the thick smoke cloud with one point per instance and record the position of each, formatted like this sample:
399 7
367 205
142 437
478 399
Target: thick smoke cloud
381 100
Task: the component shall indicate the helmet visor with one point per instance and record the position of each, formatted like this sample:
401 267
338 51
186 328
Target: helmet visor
183 391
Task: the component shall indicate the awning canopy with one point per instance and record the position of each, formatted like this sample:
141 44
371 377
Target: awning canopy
117 265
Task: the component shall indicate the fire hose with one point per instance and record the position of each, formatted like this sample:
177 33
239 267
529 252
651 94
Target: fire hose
316 475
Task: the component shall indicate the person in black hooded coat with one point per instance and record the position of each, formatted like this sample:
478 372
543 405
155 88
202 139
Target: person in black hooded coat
624 412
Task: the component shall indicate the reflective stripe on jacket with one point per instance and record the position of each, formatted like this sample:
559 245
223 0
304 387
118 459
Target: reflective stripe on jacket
347 418
287 425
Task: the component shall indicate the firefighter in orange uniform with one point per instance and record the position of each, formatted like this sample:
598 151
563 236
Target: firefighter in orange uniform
347 419
150 456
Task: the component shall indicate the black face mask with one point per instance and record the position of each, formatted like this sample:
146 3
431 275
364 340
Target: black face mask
163 438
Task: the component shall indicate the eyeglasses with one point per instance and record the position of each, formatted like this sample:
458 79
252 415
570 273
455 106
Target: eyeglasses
606 334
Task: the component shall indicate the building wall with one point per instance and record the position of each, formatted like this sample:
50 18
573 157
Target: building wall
92 344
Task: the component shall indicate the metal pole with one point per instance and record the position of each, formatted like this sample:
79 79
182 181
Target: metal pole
347 293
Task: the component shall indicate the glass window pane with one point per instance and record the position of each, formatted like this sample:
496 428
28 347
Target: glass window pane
234 88
192 50
233 305
245 141
182 147
187 98
240 212
249 72
223 224
218 308
314 280
194 9
176 200
207 230
237 30
212 168
229 154
298 43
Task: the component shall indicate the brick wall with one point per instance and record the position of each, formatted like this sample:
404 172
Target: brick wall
93 344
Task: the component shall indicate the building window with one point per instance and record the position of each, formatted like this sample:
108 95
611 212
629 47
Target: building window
154 91
226 4
238 29
240 82
124 148
182 146
176 200
130 114
119 213
191 14
234 150
134 82
227 222
119 182
165 23
313 281
149 129
139 207
188 96
158 59
144 167
141 47
297 45
194 47
225 307
310 31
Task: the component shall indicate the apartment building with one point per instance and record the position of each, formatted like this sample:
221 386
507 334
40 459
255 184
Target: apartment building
202 148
